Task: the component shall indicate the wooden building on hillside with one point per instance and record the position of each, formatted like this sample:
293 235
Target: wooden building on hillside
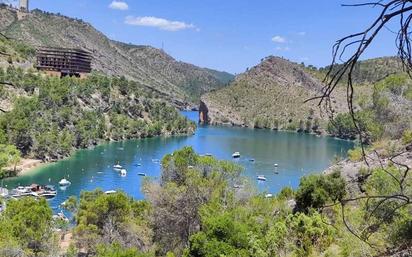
64 61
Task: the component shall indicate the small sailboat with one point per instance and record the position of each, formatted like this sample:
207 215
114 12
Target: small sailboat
117 167
261 178
64 182
236 155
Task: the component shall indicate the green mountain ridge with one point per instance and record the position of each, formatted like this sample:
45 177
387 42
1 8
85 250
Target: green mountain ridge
269 95
273 93
181 83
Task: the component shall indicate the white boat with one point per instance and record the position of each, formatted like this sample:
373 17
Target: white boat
60 216
4 192
261 178
117 167
123 172
110 192
275 165
64 182
268 196
236 155
48 192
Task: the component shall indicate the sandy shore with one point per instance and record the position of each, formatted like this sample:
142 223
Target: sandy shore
27 165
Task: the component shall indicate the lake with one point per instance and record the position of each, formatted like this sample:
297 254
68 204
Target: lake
296 155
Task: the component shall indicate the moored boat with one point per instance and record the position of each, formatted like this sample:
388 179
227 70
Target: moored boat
261 178
34 190
64 182
4 192
236 155
117 167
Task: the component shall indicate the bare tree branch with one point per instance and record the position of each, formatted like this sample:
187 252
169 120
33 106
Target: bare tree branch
342 70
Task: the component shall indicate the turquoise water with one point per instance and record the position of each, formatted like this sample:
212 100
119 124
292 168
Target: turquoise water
296 155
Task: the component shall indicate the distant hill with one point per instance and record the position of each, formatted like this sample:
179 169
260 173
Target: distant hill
180 82
372 70
269 95
272 94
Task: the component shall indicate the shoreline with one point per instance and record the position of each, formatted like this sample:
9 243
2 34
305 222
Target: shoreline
27 166
321 133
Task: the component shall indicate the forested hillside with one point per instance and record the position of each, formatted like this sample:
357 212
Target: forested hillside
182 83
47 117
271 95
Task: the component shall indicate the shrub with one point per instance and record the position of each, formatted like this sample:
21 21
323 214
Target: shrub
316 190
407 137
356 154
286 193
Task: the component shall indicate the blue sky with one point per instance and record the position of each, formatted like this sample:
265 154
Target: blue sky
228 35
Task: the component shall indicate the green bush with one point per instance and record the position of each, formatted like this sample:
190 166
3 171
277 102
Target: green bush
286 193
355 154
343 126
316 190
407 137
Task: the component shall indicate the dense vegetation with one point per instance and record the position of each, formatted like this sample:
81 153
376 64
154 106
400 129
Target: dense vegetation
26 229
271 95
194 211
386 114
48 117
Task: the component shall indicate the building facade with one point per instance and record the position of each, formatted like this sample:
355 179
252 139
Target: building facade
24 5
64 61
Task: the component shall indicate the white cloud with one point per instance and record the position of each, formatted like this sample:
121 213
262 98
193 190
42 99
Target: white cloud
302 33
119 5
160 23
279 39
284 49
